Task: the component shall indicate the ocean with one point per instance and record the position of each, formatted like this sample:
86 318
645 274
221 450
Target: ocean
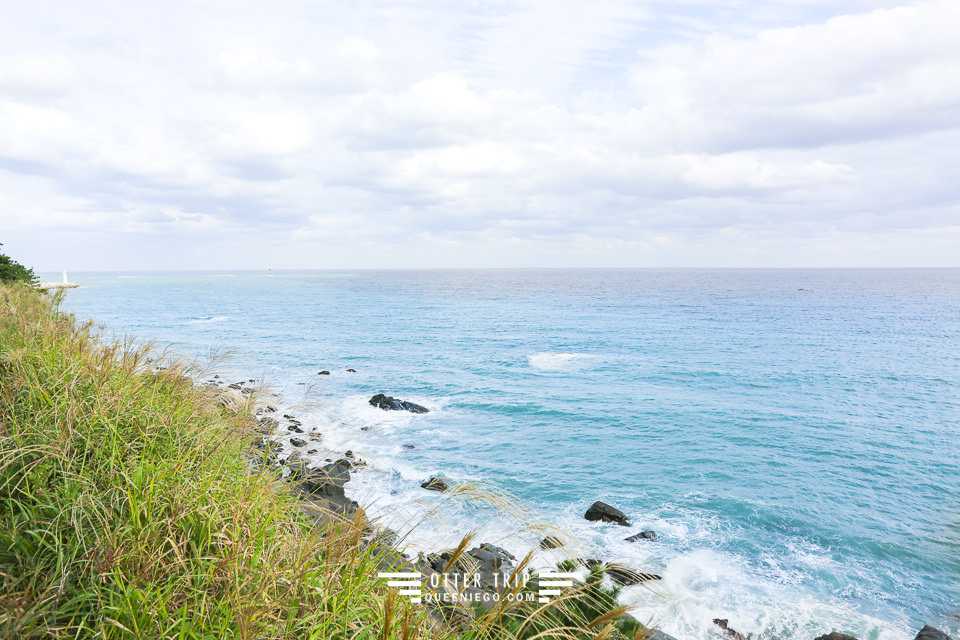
792 436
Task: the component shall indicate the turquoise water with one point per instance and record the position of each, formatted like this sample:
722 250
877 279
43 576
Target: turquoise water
796 450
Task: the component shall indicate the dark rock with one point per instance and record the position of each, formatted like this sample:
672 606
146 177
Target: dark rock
605 513
216 376
836 635
234 386
493 562
488 562
311 451
493 556
271 449
288 416
270 409
323 373
298 442
322 509
295 428
298 466
333 474
246 392
643 535
391 560
443 561
384 536
589 563
231 401
267 425
409 446
626 575
435 484
551 542
393 404
364 428
733 633
351 370
348 454
929 633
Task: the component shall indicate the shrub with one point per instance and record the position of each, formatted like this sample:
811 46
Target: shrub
13 271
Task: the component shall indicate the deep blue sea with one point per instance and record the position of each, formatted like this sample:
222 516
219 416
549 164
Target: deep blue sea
793 436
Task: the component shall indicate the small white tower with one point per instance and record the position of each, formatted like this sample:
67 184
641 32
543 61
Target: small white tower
65 278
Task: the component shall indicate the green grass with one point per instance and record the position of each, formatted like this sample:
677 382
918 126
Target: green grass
128 509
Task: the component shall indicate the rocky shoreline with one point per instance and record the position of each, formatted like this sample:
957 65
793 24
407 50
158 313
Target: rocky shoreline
483 571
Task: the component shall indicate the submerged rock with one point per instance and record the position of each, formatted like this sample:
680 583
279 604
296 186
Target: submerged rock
836 635
643 535
929 633
351 370
323 373
388 403
551 542
626 575
605 513
298 442
435 484
733 633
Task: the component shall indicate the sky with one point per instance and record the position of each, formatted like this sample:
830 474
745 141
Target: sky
234 134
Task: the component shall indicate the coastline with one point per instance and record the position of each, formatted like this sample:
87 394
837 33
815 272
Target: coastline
111 449
470 572
224 327
431 561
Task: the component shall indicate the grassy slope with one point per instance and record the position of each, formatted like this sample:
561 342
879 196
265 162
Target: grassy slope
127 511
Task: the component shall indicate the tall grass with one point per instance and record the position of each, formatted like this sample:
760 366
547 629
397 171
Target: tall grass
129 509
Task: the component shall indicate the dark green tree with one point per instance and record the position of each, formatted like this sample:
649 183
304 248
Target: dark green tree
13 271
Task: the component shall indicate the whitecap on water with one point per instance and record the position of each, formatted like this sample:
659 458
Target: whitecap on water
555 361
209 319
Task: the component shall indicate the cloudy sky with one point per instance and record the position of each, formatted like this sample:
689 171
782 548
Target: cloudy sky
209 134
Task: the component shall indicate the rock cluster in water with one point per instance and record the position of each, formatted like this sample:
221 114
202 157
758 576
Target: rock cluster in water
388 403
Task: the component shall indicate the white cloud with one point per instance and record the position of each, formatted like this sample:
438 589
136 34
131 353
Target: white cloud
874 75
513 133
29 73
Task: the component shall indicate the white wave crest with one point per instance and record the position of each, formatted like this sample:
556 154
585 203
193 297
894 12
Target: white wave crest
209 319
555 361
